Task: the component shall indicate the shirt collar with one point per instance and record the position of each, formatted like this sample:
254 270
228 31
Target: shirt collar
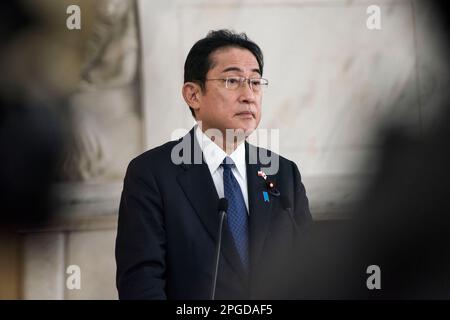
214 155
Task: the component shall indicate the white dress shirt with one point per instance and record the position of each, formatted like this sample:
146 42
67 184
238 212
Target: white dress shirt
214 156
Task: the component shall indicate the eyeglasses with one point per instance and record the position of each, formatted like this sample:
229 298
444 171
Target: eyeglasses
233 83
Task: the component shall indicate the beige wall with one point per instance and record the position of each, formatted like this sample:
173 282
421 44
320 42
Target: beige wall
82 234
49 254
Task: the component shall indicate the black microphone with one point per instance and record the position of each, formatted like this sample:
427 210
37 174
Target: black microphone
286 204
223 207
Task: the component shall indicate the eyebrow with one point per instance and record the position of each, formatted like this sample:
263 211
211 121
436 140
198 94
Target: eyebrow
240 70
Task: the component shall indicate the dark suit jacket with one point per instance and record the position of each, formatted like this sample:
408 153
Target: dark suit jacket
169 221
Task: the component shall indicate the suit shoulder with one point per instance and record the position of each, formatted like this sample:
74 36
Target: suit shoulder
263 152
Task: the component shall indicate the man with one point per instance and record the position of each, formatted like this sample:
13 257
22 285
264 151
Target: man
169 218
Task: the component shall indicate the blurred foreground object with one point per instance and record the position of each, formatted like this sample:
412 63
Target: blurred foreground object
41 65
69 117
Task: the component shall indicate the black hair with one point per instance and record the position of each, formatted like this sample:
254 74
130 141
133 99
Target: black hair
198 61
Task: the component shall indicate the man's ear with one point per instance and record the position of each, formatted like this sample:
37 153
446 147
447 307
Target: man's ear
192 94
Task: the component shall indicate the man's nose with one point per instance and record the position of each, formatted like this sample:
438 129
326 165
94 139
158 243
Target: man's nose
247 95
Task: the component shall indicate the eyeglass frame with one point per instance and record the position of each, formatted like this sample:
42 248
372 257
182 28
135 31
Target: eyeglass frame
241 82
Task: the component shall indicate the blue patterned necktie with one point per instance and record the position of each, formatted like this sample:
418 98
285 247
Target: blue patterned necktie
237 216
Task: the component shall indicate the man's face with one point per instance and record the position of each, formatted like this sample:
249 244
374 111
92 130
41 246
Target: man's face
222 108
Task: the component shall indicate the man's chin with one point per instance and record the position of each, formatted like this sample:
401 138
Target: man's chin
248 131
244 130
247 127
238 134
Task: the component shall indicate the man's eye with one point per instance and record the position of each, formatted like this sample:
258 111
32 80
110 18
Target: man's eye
233 80
256 83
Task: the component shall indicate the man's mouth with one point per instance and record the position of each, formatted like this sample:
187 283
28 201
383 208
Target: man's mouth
245 114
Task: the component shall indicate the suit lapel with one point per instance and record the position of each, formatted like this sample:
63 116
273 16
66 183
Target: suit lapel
260 210
198 186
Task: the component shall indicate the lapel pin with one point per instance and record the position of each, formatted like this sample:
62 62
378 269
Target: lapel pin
262 174
271 186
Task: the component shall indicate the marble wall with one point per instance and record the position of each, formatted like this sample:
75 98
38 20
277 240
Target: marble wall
333 82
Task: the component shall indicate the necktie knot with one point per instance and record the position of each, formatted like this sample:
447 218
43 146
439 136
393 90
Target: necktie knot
227 163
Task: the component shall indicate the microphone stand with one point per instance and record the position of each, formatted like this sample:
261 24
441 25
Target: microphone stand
218 245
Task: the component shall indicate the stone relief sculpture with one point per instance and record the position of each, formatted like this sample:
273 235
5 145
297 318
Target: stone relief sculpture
113 49
104 111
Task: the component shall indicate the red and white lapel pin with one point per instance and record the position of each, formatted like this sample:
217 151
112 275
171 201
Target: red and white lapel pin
270 186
